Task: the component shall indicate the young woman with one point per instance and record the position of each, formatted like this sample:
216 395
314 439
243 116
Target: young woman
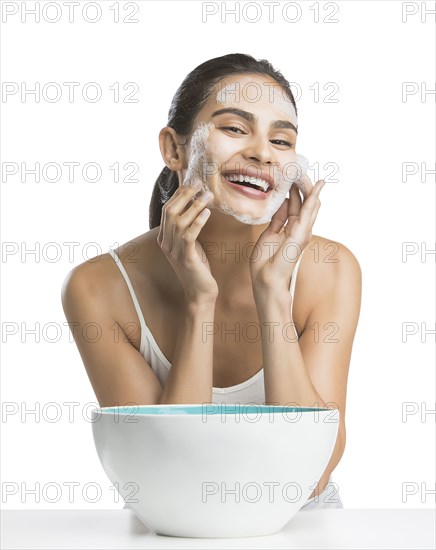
201 308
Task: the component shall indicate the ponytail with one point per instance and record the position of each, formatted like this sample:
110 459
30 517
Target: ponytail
164 188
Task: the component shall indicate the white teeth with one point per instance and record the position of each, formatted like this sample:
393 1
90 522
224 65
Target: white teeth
239 177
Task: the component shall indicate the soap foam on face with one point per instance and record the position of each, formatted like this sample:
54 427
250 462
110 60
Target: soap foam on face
226 95
276 195
200 165
200 150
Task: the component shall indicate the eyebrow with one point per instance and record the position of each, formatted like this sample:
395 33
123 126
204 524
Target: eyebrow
252 118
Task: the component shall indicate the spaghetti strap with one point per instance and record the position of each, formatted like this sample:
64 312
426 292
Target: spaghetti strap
129 284
294 275
292 288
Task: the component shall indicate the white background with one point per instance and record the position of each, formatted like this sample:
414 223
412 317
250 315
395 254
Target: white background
369 53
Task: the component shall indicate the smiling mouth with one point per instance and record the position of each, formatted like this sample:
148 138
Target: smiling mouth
245 181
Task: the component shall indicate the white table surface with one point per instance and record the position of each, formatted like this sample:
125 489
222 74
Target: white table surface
329 528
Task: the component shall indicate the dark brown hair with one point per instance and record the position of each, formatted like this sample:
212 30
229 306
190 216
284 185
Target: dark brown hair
188 101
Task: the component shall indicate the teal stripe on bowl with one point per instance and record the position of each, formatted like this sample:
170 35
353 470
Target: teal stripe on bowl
209 408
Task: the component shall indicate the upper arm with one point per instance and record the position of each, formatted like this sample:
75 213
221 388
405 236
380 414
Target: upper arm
326 343
119 374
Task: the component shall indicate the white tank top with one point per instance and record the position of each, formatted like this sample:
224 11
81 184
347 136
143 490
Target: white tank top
250 391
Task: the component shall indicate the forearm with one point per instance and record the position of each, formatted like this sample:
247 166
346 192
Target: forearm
190 378
285 375
286 379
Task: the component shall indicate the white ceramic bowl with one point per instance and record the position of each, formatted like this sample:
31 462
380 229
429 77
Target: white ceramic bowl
214 470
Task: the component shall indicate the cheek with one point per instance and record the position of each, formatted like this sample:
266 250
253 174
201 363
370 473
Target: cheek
287 155
293 166
222 147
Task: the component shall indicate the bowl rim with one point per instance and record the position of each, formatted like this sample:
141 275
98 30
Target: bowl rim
180 409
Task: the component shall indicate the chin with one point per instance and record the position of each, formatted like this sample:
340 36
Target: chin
244 217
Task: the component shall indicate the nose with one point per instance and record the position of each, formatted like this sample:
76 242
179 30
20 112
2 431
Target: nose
259 149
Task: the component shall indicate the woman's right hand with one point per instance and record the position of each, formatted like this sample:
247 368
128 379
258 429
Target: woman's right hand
181 222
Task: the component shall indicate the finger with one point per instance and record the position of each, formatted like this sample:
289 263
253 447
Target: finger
301 187
315 213
318 202
199 188
302 227
306 186
295 201
189 237
183 221
185 191
310 204
294 209
197 202
171 209
313 196
279 218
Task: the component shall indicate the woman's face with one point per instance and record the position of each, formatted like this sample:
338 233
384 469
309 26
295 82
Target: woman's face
247 125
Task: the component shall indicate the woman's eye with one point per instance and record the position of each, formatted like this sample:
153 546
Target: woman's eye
232 128
281 141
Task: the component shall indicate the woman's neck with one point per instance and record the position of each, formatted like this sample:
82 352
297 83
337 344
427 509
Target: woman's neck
228 245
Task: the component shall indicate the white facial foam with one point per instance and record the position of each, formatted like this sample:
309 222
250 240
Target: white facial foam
199 152
276 196
201 165
276 94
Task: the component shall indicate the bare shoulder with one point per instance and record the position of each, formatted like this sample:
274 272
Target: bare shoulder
87 290
98 279
328 254
87 277
328 251
328 264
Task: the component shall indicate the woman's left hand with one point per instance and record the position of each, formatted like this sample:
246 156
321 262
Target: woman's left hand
278 248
